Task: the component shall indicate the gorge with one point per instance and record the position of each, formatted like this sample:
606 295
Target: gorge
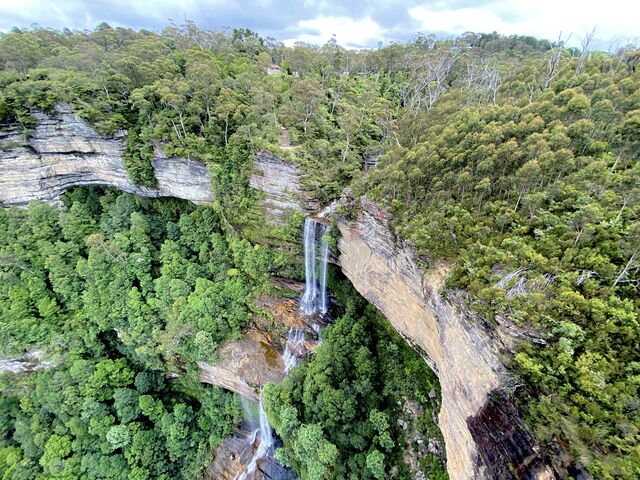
64 151
164 236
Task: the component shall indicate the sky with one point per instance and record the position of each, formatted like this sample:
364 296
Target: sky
355 24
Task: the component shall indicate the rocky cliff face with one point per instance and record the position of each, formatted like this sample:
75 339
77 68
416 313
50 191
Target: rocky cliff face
484 435
65 151
279 182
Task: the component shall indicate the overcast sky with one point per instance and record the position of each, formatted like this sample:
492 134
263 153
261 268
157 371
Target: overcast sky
356 23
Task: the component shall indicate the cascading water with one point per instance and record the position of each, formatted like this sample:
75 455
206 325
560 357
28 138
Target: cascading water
324 306
308 301
261 432
315 300
294 340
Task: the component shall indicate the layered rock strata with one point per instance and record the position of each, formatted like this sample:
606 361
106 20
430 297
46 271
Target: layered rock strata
64 151
280 184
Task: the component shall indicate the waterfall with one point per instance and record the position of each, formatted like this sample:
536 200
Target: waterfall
262 432
308 301
294 340
315 300
324 307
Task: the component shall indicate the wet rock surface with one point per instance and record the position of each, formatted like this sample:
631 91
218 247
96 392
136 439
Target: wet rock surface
244 365
234 454
505 446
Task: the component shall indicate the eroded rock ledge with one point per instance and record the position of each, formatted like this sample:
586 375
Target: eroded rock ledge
244 365
64 151
485 437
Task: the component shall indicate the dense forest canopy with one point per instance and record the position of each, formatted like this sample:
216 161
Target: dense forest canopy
119 292
514 159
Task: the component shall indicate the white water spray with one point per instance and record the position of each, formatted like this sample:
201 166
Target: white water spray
262 432
324 306
294 340
308 301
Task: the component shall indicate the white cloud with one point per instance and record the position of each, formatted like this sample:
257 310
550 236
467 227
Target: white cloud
349 32
615 19
356 23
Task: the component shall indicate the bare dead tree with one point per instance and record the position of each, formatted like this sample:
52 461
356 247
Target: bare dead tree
473 74
554 67
493 81
632 264
483 81
388 131
532 90
623 56
439 72
428 76
586 42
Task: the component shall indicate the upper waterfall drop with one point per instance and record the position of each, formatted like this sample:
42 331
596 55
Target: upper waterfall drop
308 301
315 299
324 262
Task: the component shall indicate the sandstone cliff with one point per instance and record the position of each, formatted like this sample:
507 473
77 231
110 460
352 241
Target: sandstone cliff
484 435
280 184
65 151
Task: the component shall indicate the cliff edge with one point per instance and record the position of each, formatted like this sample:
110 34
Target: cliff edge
65 151
485 437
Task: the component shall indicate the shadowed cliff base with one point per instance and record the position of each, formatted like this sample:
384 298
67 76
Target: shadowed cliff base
506 448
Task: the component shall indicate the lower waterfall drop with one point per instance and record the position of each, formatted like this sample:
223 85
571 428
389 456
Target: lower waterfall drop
295 338
262 433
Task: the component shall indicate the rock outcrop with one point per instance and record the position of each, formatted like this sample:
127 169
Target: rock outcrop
280 184
244 365
234 454
65 151
29 362
485 437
